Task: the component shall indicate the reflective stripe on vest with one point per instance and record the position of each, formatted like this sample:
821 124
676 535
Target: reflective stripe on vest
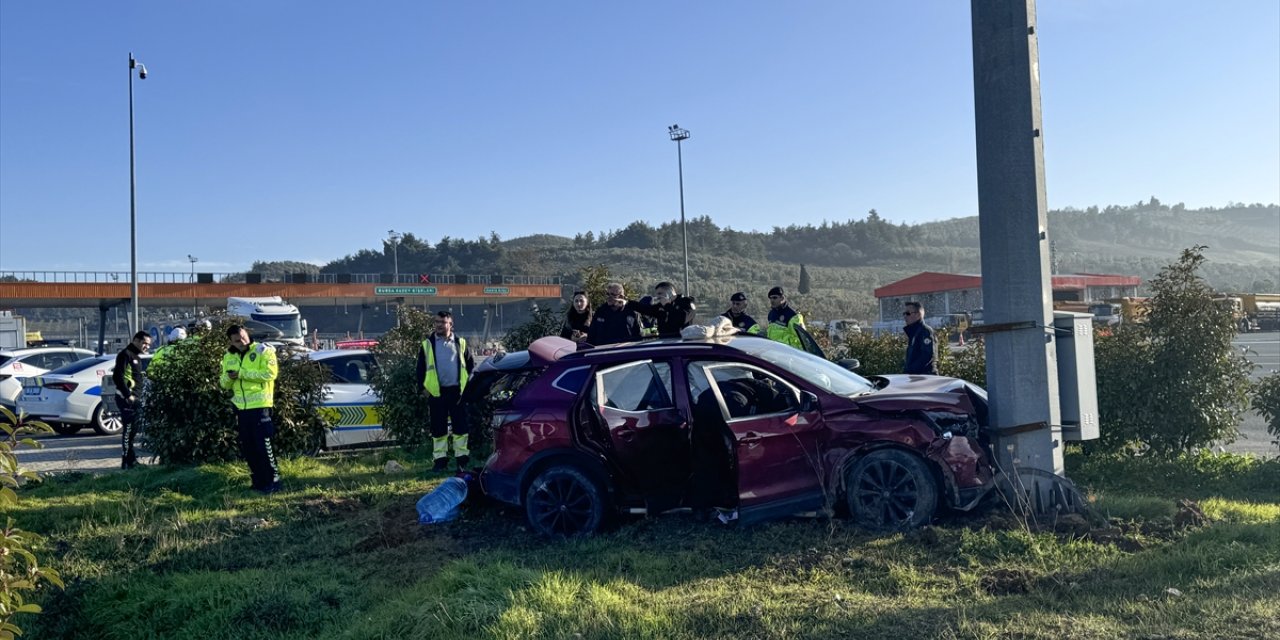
431 382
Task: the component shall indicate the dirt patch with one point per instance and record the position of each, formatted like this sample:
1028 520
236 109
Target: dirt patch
1189 515
395 526
324 507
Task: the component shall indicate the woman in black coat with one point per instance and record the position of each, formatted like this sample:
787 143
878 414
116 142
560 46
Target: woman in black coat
577 320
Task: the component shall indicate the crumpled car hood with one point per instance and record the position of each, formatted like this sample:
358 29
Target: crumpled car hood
927 393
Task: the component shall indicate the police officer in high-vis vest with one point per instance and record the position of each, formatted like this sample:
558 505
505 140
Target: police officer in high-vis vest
249 371
443 367
784 320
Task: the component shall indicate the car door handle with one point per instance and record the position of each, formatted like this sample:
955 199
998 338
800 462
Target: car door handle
751 438
625 434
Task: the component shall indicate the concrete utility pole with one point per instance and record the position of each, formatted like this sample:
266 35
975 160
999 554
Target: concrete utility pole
1022 377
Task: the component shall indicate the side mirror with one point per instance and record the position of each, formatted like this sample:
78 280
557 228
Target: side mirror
808 401
851 364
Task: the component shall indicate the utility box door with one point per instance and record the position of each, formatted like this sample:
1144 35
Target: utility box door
1077 377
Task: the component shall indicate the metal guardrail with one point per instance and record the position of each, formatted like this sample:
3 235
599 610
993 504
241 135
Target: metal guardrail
186 277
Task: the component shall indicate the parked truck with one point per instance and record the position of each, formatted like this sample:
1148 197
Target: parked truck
274 311
1252 311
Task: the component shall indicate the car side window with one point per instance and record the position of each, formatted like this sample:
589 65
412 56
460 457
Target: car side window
348 370
41 360
637 386
740 390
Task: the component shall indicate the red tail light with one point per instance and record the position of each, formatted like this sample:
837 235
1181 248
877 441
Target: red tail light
61 386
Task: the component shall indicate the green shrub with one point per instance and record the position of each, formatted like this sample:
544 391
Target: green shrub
1266 402
877 355
545 322
968 363
403 407
187 418
1174 383
20 569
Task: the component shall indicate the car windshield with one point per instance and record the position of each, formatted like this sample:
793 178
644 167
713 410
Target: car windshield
826 374
81 365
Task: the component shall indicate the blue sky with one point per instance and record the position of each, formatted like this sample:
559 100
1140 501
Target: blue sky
292 130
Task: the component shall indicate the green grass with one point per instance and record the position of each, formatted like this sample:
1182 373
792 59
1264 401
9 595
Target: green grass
189 552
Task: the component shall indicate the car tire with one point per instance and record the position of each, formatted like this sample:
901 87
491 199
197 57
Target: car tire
64 428
106 425
891 490
564 502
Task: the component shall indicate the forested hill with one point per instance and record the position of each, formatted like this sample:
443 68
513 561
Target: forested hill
846 260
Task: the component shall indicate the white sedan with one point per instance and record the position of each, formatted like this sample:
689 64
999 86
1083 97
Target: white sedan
16 364
70 397
350 403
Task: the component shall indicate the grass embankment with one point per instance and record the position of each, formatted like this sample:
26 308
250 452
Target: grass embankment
189 553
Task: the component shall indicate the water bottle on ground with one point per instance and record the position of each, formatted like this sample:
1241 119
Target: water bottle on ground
441 505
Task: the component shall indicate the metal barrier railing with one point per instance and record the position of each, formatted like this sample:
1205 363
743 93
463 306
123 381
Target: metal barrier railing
183 277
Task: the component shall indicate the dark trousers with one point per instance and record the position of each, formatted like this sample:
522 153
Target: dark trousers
255 428
447 406
128 418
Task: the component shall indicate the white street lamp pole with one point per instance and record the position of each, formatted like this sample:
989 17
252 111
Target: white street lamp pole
195 304
680 135
395 252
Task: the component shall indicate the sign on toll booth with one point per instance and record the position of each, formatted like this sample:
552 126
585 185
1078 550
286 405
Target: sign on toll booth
404 291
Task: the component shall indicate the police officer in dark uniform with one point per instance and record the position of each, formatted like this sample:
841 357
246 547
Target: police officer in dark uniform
922 349
127 376
737 314
672 311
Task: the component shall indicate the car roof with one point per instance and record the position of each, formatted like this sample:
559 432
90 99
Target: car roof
325 354
23 351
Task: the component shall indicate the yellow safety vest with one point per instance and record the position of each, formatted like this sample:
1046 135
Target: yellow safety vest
255 386
431 382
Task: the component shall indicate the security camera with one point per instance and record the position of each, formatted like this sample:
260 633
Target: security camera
142 71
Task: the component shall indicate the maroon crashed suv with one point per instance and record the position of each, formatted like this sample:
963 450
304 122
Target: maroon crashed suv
739 422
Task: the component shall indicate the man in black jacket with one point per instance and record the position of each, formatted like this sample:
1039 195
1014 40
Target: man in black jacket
922 350
612 322
127 376
672 311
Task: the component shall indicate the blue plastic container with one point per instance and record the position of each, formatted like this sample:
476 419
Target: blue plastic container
441 505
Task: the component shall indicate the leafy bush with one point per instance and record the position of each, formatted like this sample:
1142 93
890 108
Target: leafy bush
887 352
20 569
968 363
545 322
877 355
188 418
1173 383
403 407
1266 402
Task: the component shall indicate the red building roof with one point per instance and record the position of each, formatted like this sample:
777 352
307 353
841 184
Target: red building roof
934 282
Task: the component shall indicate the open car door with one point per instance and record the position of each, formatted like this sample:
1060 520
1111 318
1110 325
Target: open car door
777 441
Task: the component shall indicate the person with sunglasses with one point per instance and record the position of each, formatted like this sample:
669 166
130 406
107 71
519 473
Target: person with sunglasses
922 349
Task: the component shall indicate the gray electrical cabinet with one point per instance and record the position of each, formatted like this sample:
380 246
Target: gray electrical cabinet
1077 377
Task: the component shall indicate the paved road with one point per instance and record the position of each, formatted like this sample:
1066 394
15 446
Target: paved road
1264 350
85 451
